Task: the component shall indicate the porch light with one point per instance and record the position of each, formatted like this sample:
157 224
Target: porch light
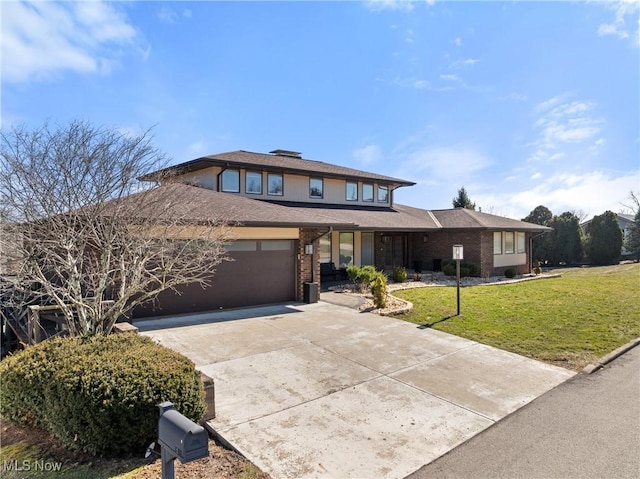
425 238
384 238
458 252
308 249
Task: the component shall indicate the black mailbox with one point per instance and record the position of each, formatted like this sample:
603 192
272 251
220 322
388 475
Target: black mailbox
180 437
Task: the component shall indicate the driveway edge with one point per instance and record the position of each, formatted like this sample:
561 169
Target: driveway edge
606 359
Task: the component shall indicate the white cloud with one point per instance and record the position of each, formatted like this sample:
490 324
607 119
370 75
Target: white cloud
409 37
451 164
562 123
454 78
464 62
624 21
42 39
458 42
380 5
368 155
168 15
592 192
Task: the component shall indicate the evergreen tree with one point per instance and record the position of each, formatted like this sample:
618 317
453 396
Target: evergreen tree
541 244
633 241
565 241
541 215
463 200
604 239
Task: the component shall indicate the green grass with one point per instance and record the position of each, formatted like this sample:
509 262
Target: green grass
569 321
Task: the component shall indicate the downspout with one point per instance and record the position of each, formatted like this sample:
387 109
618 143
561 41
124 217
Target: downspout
219 177
531 248
313 256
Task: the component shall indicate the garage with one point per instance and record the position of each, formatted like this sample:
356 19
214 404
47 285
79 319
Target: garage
261 272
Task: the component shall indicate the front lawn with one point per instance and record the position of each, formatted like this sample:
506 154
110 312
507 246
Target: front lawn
570 321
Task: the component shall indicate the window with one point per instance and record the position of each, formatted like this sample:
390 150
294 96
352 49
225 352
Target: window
497 242
383 194
275 184
367 192
352 191
275 245
325 248
520 242
346 249
242 245
231 181
315 187
509 247
253 183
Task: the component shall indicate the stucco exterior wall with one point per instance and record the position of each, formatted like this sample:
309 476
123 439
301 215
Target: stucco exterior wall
295 187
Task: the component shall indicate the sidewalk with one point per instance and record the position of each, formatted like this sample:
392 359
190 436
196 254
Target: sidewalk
586 427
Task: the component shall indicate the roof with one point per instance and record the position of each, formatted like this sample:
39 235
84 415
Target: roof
279 162
200 205
625 217
396 217
462 218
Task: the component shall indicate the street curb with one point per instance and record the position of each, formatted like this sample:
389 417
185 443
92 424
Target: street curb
604 360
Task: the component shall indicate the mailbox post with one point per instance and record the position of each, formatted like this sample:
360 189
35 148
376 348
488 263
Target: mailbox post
179 437
458 254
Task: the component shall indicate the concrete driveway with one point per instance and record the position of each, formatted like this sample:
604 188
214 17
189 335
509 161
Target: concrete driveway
320 390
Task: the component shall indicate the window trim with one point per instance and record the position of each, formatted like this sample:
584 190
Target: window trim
321 180
281 176
222 187
246 182
373 197
346 191
386 189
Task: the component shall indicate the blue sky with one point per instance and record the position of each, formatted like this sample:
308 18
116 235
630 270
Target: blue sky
521 103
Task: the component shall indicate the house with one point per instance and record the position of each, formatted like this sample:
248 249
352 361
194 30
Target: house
294 214
625 221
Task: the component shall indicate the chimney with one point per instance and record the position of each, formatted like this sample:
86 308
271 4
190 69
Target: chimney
292 154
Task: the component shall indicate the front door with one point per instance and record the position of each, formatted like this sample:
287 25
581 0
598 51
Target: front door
395 251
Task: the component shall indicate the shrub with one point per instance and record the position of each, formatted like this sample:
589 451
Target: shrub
510 272
379 290
99 394
362 275
399 274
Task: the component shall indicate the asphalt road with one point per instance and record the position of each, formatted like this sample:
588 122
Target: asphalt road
588 427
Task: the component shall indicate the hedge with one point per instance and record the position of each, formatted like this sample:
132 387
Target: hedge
99 394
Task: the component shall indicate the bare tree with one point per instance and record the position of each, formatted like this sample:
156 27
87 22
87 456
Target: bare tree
86 236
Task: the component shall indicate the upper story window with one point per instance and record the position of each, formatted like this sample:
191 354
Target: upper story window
383 194
253 182
315 187
231 181
367 192
275 184
352 191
